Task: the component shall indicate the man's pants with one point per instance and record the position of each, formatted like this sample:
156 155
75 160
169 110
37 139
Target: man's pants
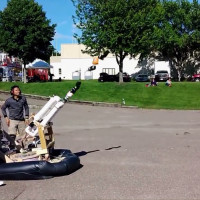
17 128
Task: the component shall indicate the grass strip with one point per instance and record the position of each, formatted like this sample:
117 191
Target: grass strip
182 95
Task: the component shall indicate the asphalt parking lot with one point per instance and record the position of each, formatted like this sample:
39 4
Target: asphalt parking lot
125 153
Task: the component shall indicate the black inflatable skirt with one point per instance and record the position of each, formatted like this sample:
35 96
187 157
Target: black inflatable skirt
34 170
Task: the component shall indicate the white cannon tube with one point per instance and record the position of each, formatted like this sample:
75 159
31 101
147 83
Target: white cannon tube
47 113
52 113
47 107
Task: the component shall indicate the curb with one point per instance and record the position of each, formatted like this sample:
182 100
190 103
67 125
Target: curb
91 103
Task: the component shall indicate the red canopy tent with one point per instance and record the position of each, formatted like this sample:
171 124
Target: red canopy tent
38 70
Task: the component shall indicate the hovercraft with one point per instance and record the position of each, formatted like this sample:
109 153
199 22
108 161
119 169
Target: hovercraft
39 160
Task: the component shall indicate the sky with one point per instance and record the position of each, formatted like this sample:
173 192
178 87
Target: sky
59 12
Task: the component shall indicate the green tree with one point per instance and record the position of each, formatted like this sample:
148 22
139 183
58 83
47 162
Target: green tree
119 27
177 36
56 53
25 31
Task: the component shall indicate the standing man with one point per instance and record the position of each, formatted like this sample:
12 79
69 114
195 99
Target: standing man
18 114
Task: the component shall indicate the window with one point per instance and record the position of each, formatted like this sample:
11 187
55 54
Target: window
110 71
60 71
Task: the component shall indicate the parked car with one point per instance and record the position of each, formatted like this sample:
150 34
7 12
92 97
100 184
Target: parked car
126 77
104 77
161 75
142 78
196 77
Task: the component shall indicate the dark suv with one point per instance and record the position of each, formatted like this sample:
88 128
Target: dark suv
104 77
162 75
126 77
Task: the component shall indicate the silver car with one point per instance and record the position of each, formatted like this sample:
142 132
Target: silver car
142 78
162 75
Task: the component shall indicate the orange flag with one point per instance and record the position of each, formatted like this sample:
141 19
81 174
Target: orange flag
95 61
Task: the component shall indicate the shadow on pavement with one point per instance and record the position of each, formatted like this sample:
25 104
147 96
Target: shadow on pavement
83 153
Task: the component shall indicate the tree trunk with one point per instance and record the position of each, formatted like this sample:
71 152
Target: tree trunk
171 66
179 74
179 70
120 60
121 74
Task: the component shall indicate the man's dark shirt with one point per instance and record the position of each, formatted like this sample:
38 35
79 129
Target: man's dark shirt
16 108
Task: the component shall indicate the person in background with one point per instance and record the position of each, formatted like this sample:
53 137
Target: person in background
10 75
18 115
168 82
153 82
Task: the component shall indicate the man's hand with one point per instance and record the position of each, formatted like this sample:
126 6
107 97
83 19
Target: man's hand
27 121
7 121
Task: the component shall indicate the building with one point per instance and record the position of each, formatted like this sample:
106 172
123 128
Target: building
74 65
